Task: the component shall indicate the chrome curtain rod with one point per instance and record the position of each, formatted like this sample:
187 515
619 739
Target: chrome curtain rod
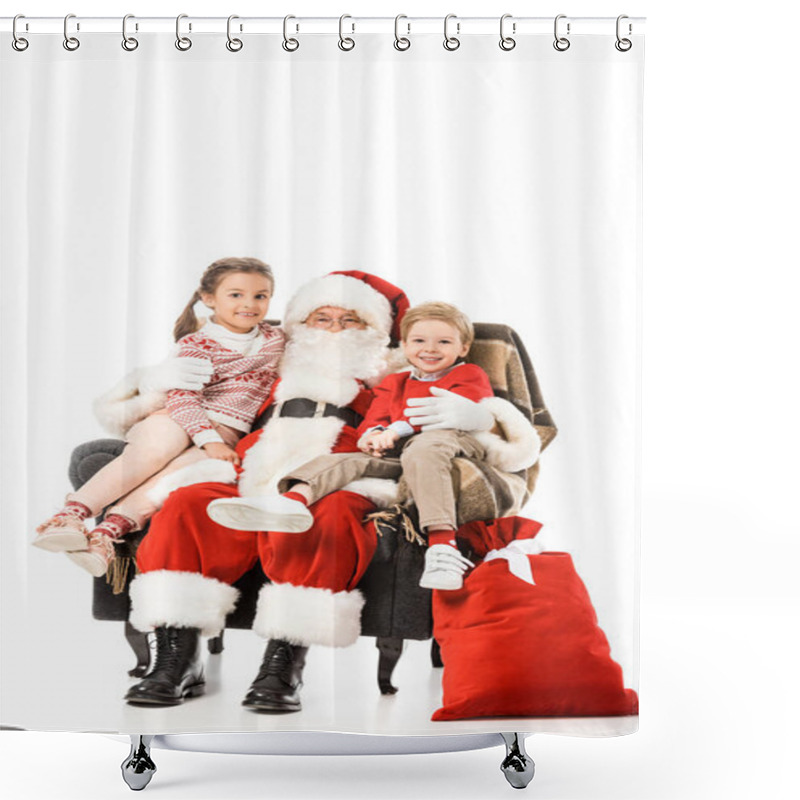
321 25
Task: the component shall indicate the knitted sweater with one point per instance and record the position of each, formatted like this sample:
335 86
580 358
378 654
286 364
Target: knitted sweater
244 369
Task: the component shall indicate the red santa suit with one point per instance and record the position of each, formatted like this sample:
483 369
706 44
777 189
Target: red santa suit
187 563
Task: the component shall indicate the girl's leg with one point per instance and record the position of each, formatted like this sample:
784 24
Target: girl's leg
134 510
138 506
152 444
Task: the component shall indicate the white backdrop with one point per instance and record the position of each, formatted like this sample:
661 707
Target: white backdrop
716 217
505 182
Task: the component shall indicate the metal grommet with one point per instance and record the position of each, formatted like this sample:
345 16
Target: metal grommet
346 43
129 43
19 43
623 45
561 43
183 43
506 42
288 44
401 43
70 42
234 45
451 42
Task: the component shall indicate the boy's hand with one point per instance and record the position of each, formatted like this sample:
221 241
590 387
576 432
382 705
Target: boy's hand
222 452
376 444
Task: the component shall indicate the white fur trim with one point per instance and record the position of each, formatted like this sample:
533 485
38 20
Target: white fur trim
180 600
521 445
285 444
341 291
305 615
210 470
120 408
382 491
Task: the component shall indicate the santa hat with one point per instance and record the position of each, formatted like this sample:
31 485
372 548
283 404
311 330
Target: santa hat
380 304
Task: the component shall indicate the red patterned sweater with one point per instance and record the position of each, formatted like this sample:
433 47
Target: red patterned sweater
241 380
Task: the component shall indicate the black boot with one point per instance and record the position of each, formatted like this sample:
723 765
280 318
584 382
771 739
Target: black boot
177 673
275 689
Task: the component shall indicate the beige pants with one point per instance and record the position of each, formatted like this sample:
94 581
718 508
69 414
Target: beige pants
425 461
156 447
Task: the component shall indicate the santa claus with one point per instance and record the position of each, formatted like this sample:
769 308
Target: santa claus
340 328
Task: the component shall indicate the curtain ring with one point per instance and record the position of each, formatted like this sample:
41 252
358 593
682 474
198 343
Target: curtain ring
234 45
129 43
18 42
346 43
506 42
70 42
451 42
289 45
181 42
401 43
623 45
561 43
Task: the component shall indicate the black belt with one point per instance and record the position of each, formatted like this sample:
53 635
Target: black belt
304 407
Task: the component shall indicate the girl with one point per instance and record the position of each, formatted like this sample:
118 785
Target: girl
243 353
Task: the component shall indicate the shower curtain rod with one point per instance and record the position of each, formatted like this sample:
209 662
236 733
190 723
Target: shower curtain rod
324 25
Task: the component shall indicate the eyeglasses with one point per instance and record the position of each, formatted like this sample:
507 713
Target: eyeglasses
327 321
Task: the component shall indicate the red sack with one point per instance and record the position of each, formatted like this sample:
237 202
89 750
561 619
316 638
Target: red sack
512 649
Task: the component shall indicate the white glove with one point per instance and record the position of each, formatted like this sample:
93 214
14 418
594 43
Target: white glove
188 373
447 410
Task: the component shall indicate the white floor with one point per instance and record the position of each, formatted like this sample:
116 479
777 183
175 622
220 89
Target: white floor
341 694
719 720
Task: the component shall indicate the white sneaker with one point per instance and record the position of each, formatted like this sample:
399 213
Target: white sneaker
274 513
100 554
444 568
63 532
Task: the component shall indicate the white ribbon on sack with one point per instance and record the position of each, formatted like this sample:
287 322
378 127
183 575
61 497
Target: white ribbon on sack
517 554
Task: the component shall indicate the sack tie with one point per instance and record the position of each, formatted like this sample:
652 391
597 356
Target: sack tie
516 554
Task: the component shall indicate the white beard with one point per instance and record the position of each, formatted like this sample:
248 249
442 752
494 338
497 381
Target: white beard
326 366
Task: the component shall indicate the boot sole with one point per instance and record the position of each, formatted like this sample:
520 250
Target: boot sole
195 690
237 514
266 708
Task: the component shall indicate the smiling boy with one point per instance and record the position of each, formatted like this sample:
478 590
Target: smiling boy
435 338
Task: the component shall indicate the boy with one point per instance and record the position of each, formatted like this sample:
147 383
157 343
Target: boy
435 337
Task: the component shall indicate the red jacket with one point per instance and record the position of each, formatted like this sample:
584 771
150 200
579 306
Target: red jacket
391 394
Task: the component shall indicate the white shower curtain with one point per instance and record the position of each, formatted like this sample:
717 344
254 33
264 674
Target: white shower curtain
506 183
